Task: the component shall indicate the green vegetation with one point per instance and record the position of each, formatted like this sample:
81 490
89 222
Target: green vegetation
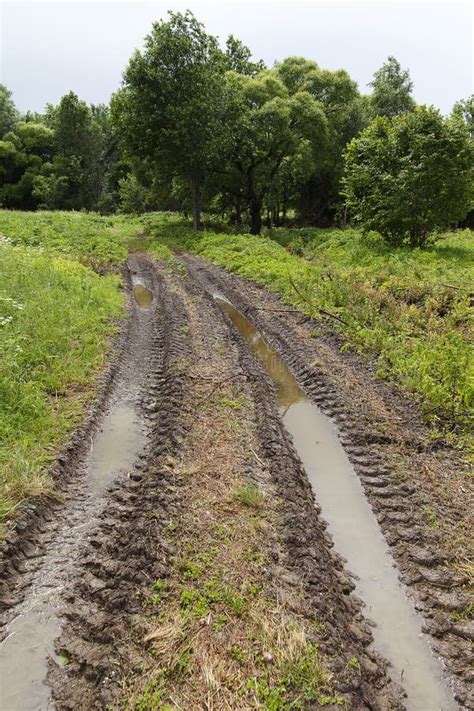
65 158
408 308
200 126
407 176
249 495
95 241
56 315
391 90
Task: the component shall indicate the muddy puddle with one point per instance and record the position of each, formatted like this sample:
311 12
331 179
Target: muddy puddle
29 643
355 531
143 295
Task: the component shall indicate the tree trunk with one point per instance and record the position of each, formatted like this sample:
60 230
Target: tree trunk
238 211
196 198
255 216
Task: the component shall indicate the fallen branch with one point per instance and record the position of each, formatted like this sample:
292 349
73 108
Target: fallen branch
318 308
220 384
460 288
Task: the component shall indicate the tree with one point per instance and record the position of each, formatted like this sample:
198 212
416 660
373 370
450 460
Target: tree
79 149
170 110
409 175
317 197
465 110
269 129
133 196
392 88
8 112
23 154
238 58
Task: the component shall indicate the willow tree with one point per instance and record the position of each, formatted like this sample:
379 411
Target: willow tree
317 197
269 128
170 109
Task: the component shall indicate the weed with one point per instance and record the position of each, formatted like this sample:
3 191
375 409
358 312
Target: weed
249 495
194 604
150 697
430 516
237 653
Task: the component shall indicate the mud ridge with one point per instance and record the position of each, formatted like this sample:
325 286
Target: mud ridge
437 590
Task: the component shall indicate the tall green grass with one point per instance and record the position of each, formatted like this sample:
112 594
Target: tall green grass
410 309
54 317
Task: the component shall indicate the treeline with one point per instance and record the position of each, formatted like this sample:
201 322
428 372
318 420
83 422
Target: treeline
66 158
198 127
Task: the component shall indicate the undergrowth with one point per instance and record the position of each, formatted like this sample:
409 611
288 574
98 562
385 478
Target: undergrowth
410 309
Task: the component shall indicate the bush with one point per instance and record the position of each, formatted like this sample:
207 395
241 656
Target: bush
407 176
133 196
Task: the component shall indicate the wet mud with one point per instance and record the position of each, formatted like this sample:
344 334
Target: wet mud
379 430
42 568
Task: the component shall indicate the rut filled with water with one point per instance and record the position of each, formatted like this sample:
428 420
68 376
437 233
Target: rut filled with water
355 531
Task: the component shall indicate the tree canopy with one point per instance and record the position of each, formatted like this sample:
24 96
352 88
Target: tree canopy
171 109
391 89
8 112
202 126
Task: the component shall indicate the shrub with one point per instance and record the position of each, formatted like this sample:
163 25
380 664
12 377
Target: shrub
409 175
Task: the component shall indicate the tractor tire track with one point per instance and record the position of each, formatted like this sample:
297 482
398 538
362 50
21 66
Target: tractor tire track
130 550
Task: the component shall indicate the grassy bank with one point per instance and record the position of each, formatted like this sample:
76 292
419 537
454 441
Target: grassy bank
407 308
56 315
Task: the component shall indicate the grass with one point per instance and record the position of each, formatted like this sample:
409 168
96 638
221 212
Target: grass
408 309
249 495
56 316
95 241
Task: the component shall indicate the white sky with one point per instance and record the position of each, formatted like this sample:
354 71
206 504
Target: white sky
50 48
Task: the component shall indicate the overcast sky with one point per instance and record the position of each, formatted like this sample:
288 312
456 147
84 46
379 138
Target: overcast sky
50 48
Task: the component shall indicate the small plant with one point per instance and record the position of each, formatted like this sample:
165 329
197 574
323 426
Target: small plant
238 654
354 663
249 495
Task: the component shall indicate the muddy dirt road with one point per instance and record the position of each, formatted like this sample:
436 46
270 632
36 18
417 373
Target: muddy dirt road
322 441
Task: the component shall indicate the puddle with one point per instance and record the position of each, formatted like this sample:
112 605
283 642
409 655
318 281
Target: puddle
355 532
143 296
29 645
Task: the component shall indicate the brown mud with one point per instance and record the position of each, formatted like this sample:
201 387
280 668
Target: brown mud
125 546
